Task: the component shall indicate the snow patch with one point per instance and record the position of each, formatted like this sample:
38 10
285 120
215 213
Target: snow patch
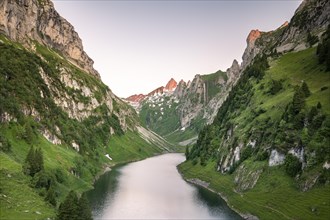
107 156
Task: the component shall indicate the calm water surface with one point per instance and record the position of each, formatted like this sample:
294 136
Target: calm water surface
153 189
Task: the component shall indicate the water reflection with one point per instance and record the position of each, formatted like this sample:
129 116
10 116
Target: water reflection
153 189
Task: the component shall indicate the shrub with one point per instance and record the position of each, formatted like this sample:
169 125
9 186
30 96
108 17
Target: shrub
246 153
5 145
43 179
275 86
292 165
261 156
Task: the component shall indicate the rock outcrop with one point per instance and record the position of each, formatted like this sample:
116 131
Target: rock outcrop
136 98
28 20
76 90
312 17
196 102
251 50
171 85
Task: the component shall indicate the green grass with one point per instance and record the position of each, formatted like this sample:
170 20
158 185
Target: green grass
16 195
178 135
130 147
292 69
17 199
275 196
302 66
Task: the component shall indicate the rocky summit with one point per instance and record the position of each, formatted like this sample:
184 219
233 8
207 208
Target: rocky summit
28 20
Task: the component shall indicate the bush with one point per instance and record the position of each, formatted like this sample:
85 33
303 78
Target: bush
261 156
275 86
60 175
43 179
292 165
246 153
34 162
5 145
325 176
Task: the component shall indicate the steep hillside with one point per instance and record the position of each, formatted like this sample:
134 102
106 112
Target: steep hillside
267 151
60 125
253 155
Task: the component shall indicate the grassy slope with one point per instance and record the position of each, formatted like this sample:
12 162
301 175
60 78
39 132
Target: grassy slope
292 69
130 147
16 196
18 199
276 195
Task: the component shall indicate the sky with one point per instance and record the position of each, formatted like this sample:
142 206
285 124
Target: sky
139 45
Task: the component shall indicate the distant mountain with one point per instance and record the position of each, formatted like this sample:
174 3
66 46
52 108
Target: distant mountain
179 110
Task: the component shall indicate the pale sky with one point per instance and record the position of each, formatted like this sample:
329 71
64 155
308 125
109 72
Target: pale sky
138 46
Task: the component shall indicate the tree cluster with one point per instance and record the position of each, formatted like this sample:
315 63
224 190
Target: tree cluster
34 162
74 208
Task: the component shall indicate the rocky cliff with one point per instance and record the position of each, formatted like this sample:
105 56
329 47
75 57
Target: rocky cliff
312 17
59 73
32 20
269 114
185 107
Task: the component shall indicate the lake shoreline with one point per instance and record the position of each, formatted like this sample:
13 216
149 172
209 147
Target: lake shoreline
205 185
182 193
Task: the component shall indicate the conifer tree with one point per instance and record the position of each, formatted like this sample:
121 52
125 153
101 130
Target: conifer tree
39 160
68 209
298 101
34 162
84 211
50 196
28 164
305 89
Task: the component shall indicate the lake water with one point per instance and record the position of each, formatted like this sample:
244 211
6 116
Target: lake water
153 189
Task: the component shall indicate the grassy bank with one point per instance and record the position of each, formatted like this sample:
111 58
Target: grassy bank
20 198
275 196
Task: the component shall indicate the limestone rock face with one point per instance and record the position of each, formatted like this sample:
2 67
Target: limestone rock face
233 71
136 98
196 102
26 20
179 91
251 50
171 85
312 17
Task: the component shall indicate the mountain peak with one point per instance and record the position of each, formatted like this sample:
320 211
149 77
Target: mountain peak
253 36
136 98
33 17
171 85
